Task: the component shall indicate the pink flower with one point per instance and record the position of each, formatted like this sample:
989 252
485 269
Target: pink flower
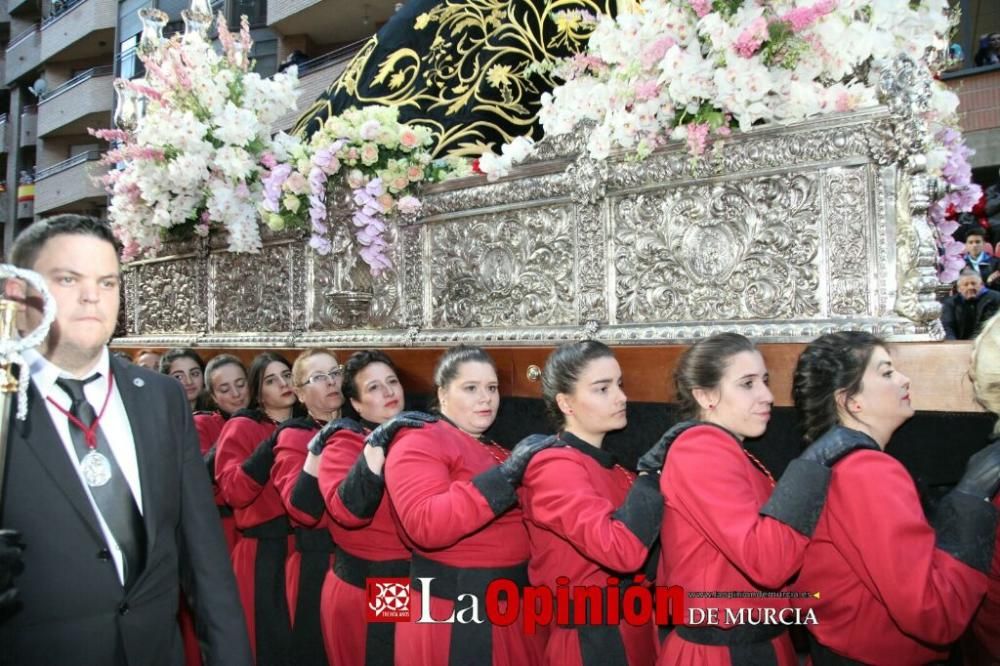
268 160
750 40
656 51
408 139
701 7
801 18
647 90
697 138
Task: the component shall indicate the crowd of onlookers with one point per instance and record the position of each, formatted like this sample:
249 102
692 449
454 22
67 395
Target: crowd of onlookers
976 294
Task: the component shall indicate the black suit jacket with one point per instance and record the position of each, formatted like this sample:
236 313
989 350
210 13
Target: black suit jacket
986 305
75 608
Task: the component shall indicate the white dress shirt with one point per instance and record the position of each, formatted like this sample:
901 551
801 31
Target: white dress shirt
114 423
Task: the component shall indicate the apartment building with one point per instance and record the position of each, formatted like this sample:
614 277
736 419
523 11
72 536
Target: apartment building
58 59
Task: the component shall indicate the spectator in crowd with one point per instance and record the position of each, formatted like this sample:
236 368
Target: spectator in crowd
963 314
989 50
148 358
979 260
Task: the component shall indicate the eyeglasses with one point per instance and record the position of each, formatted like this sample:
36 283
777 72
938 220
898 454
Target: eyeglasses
325 377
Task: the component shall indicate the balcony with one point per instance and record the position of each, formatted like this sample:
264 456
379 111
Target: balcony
83 101
82 29
4 133
315 76
22 54
325 24
69 184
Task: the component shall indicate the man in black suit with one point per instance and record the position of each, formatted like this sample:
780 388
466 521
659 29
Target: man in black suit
963 314
105 484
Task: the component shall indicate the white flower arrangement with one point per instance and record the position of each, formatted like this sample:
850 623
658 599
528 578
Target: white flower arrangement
190 139
690 70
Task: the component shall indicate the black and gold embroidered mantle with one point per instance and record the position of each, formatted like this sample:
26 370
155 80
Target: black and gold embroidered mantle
461 68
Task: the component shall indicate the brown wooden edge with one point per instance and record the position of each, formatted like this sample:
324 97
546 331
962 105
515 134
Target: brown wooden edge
938 371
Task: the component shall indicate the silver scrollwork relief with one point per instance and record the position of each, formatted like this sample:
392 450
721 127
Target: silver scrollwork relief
503 270
266 303
848 243
736 250
171 296
782 233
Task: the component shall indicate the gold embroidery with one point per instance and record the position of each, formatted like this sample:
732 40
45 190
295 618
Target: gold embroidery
472 85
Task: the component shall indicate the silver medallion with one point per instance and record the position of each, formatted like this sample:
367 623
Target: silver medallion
96 469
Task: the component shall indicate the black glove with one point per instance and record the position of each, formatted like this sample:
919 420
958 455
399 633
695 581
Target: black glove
516 464
982 473
11 564
320 439
383 435
210 463
258 464
652 461
836 443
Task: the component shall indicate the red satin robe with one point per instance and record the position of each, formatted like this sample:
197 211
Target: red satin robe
715 540
374 538
569 496
887 594
209 426
444 516
253 503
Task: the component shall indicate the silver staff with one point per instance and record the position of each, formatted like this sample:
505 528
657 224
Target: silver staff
11 346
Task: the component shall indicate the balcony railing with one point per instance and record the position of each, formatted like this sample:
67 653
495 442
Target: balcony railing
22 54
77 103
59 167
315 76
59 9
343 54
70 34
67 182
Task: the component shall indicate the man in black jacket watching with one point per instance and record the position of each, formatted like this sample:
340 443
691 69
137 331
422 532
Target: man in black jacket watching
963 314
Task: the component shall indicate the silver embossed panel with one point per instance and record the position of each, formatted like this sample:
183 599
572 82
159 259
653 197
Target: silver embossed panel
742 249
262 301
171 296
508 269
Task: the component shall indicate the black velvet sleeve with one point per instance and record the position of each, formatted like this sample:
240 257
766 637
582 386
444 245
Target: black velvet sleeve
799 497
642 511
258 465
497 490
362 489
210 463
306 496
966 528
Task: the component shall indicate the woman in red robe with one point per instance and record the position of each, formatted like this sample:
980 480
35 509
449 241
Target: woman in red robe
368 545
893 587
453 493
728 526
316 375
243 460
226 381
588 518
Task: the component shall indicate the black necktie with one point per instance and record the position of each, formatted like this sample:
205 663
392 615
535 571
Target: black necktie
114 497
